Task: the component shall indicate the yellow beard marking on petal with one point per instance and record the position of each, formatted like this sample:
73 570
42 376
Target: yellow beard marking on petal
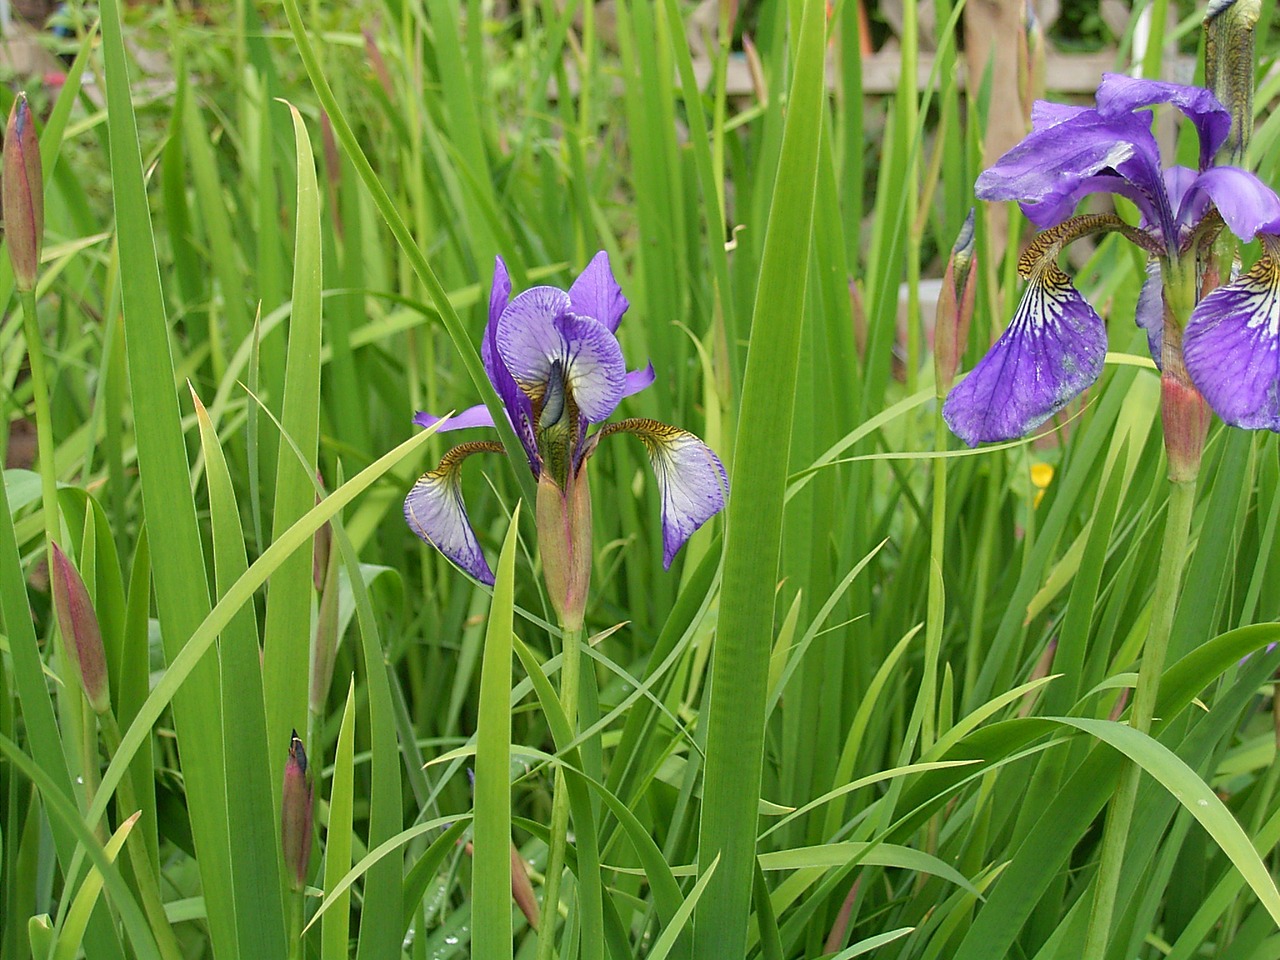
452 460
1047 244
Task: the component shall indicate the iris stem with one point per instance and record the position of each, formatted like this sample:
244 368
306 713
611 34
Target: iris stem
570 672
937 597
1182 496
296 940
44 421
148 882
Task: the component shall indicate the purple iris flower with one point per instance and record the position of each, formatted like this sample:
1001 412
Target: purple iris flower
1055 345
555 362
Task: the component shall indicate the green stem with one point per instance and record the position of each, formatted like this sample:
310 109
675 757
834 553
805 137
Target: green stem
1177 529
295 925
148 882
937 598
570 671
44 422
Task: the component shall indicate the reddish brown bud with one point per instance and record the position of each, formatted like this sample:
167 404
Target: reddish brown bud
1183 411
564 543
81 636
522 888
22 186
955 308
295 814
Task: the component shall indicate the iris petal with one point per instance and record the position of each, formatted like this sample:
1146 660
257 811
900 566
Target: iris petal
691 478
1053 349
519 409
637 380
1247 205
596 293
1051 169
1121 94
1149 314
477 416
537 329
1046 114
435 512
1232 346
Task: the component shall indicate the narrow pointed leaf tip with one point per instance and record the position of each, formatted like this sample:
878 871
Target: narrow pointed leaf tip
81 634
22 187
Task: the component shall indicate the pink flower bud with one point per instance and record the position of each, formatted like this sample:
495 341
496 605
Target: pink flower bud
522 888
295 814
955 308
22 187
81 636
564 543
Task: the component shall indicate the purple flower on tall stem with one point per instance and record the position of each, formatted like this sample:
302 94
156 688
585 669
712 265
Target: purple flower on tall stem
1223 346
556 364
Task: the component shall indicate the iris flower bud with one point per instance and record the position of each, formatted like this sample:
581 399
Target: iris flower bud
564 543
955 308
22 187
81 635
295 814
1228 67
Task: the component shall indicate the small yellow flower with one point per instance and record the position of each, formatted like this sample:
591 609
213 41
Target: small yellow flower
1041 477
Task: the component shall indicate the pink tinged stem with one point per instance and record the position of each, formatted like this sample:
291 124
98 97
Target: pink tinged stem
1183 410
840 929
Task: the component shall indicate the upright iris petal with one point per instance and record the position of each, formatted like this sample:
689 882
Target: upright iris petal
538 330
1053 348
1051 170
1232 345
1119 95
596 293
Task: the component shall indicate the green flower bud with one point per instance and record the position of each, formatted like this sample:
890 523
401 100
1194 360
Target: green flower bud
1228 67
955 308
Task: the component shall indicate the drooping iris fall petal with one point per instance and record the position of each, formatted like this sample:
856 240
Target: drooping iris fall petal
1232 345
1052 350
691 478
435 512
